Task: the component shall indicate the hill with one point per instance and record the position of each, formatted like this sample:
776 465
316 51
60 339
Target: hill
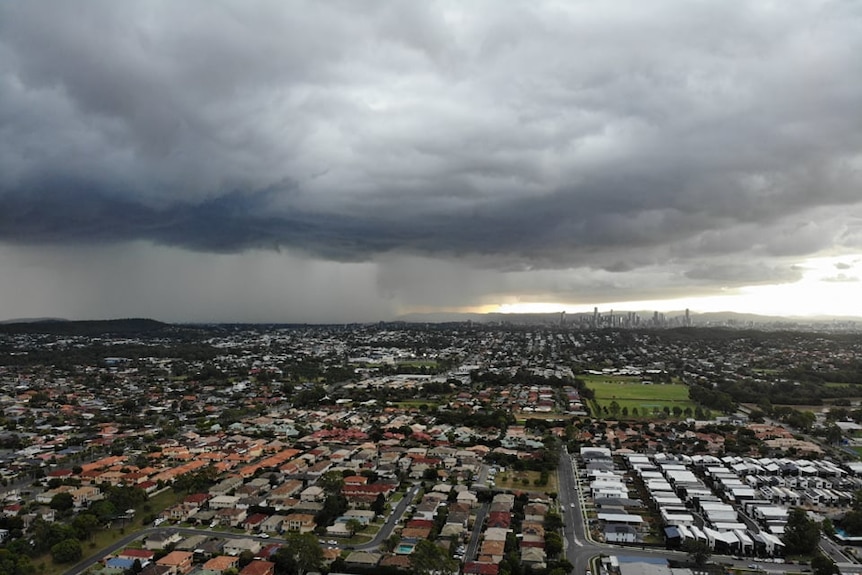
86 328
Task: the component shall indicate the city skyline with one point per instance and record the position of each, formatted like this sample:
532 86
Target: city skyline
308 162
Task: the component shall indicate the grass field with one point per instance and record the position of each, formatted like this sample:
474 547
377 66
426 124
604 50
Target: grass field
525 481
417 403
631 394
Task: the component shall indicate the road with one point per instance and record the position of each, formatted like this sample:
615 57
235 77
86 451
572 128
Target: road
392 521
473 546
578 547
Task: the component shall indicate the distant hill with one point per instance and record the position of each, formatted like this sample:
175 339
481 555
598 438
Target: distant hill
702 319
32 320
85 328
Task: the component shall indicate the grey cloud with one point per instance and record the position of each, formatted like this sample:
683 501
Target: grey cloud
744 274
541 137
840 278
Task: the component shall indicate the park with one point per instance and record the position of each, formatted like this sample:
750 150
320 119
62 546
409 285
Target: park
625 396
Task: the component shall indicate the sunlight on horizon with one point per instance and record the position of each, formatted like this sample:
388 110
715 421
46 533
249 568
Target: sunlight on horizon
829 286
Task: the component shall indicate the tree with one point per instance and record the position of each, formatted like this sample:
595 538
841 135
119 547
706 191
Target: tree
429 559
801 533
391 542
553 522
66 551
104 510
379 505
698 551
614 408
823 565
331 482
553 544
62 501
827 527
301 553
85 525
353 525
246 557
833 434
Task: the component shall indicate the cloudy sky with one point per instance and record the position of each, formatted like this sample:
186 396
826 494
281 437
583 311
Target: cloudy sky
351 161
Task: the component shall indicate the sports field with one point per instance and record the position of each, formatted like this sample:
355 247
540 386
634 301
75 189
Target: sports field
630 393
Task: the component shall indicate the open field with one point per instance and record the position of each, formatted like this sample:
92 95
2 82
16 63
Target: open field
525 481
630 393
416 403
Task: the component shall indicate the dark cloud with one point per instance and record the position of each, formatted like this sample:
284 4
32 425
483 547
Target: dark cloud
540 137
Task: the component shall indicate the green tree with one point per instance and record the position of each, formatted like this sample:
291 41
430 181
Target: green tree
354 525
85 525
833 434
66 551
823 565
553 522
246 557
62 502
104 510
827 527
553 544
698 551
379 505
331 482
300 554
801 533
391 542
429 559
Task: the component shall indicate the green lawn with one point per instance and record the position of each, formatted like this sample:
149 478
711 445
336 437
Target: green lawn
630 393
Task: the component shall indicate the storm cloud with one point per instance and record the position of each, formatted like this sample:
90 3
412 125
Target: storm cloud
651 148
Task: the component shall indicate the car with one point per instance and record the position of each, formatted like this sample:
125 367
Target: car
573 505
264 535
